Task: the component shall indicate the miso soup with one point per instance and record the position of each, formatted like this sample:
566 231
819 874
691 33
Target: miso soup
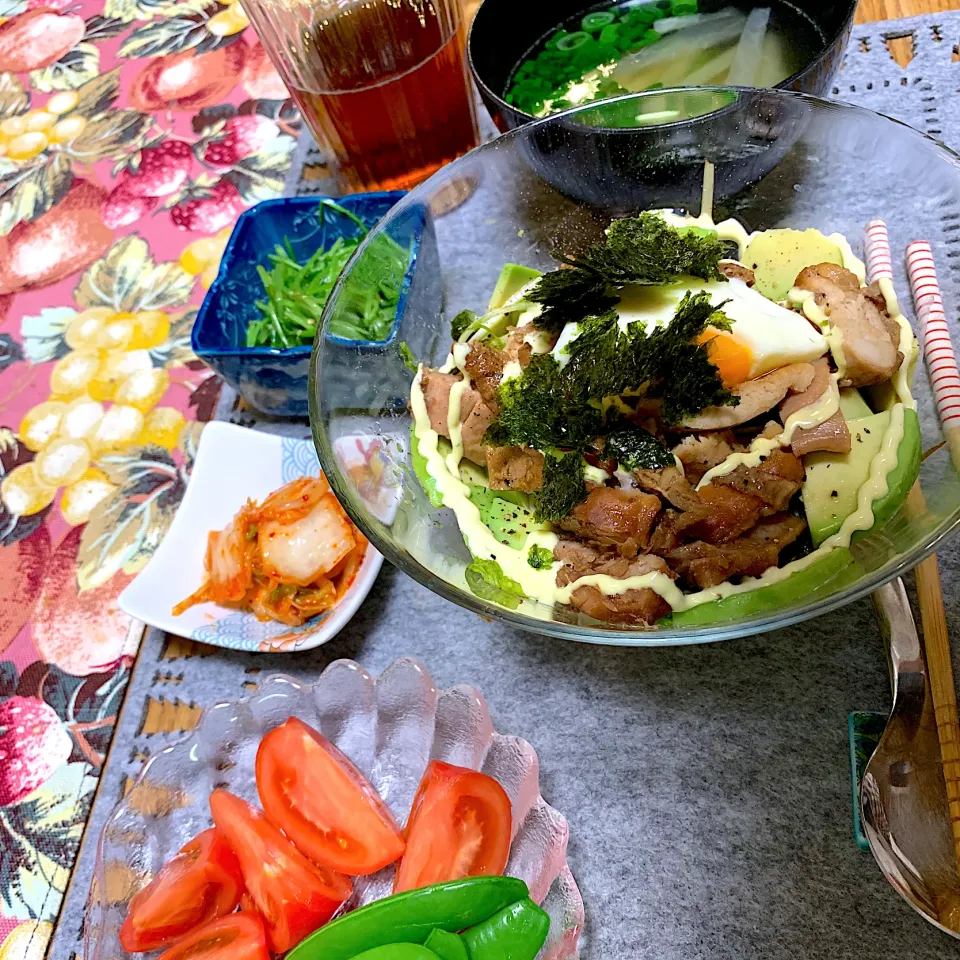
631 47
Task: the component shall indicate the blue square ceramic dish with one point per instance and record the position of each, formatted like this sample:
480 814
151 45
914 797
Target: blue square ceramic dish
272 380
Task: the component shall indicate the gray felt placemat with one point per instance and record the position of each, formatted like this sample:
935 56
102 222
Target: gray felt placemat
707 787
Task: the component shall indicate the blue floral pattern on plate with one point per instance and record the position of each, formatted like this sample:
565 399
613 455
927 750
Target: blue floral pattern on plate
299 459
243 631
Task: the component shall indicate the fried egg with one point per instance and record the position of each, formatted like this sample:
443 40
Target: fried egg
763 335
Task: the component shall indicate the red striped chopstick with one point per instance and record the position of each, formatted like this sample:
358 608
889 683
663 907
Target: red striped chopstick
879 264
945 383
935 335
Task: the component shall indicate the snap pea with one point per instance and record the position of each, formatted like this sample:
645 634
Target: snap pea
398 951
515 933
410 917
446 945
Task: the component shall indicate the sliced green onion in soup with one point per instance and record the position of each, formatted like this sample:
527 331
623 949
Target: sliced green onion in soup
597 20
573 40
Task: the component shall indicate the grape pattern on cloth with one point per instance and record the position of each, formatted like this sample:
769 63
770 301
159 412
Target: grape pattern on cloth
132 135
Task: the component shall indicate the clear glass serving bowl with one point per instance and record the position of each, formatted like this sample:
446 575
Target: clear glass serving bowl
782 160
390 726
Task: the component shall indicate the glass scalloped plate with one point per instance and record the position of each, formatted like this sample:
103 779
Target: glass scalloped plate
390 726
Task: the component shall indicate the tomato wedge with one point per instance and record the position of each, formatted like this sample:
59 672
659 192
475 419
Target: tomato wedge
459 826
238 937
202 882
293 895
323 803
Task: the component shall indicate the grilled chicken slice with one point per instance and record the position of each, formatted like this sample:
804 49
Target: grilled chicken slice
756 397
737 271
475 415
701 453
706 565
670 484
725 513
633 607
871 340
774 481
614 517
832 435
515 468
484 365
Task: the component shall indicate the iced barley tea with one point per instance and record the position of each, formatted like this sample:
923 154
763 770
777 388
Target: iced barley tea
386 87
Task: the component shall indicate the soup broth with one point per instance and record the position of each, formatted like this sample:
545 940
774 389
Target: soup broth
632 47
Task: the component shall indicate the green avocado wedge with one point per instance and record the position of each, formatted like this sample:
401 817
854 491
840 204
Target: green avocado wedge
419 463
903 476
837 564
508 522
777 257
852 404
513 278
838 567
834 480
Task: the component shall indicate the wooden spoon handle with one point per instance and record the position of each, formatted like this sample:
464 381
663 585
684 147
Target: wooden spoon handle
936 643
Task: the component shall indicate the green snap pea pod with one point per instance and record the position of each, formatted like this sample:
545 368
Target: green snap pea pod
409 917
398 951
515 933
446 945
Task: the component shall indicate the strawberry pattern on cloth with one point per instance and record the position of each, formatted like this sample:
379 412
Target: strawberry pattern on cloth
132 134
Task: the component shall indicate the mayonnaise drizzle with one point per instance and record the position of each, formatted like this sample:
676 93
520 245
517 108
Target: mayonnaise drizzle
511 371
454 425
806 300
850 260
540 585
874 488
823 408
908 344
536 584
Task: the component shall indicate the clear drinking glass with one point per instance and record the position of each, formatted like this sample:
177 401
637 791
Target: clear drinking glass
383 82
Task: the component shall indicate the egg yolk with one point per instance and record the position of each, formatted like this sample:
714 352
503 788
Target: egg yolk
728 355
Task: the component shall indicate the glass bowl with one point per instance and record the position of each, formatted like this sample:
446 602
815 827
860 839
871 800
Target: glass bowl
783 160
390 726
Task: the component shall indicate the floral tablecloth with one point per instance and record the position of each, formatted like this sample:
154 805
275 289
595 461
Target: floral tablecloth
132 134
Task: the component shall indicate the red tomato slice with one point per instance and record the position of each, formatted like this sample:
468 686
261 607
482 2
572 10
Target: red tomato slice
323 803
293 895
238 937
459 826
202 882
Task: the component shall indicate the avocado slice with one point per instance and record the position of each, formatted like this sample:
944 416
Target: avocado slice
419 463
508 522
852 404
513 278
777 256
903 476
835 565
834 480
